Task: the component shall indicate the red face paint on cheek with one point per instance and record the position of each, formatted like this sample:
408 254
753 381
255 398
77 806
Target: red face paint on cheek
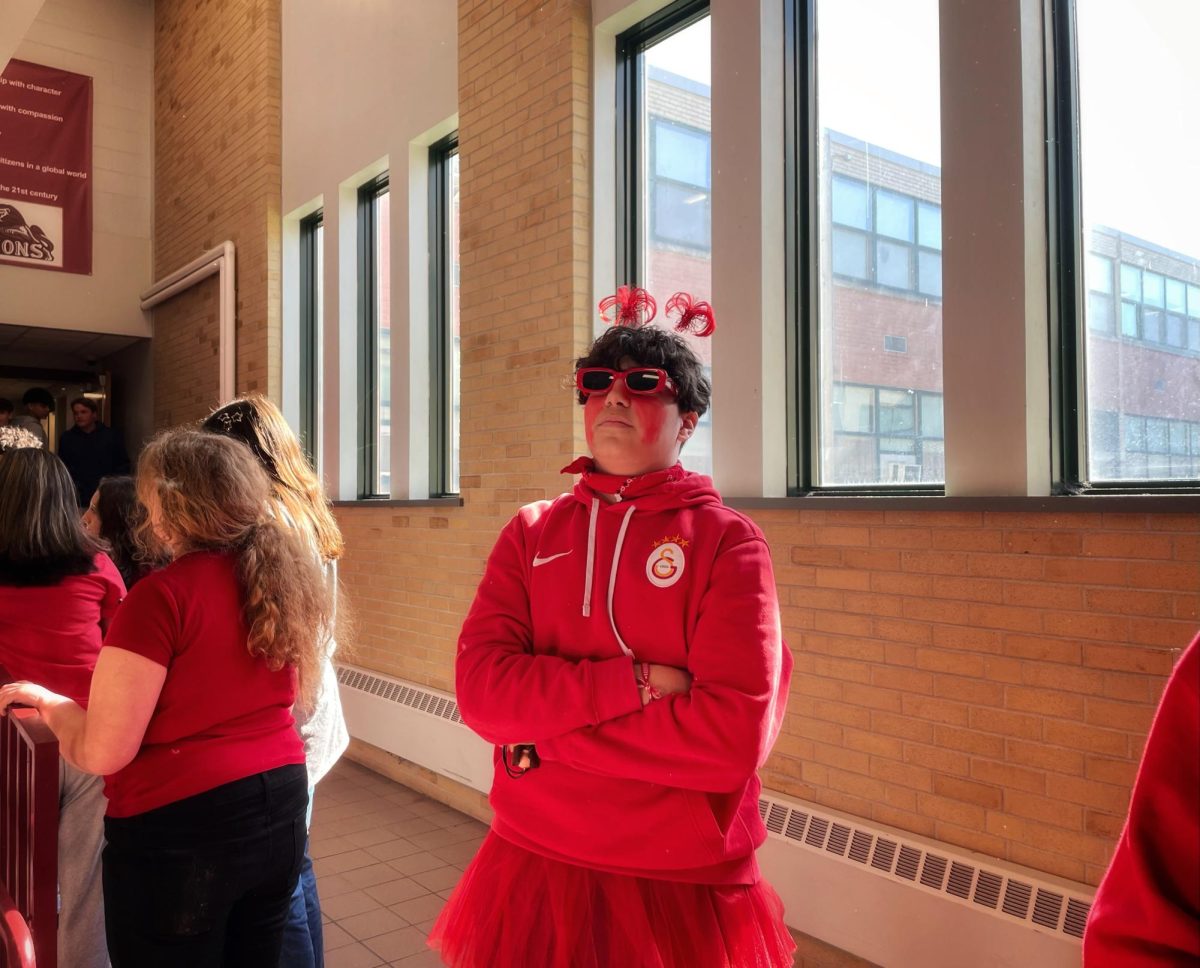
651 416
591 410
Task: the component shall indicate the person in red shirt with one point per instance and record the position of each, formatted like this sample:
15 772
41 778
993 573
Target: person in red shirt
1147 910
624 654
57 591
301 504
189 715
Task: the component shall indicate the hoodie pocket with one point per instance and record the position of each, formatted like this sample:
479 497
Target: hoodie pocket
709 833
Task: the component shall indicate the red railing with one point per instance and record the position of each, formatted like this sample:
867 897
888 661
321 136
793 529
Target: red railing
16 943
28 838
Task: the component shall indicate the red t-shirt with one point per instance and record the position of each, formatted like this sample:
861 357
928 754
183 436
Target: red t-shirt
222 715
50 634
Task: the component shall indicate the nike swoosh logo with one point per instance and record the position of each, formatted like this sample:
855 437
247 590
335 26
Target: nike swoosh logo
538 560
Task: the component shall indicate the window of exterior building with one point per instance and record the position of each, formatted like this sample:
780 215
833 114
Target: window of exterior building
312 261
664 191
872 332
894 431
444 384
1135 328
375 354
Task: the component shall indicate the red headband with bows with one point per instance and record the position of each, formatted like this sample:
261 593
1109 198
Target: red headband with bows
634 307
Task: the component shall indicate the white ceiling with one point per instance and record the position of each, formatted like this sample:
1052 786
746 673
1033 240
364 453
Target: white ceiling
58 348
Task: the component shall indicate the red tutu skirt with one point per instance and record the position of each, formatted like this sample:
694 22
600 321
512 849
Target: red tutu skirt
516 909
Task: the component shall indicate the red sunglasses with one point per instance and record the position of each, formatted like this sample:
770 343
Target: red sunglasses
642 380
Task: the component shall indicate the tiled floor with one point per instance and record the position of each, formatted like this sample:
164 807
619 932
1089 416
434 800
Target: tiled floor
387 858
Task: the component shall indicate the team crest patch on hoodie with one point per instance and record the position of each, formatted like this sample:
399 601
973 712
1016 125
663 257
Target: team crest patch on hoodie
665 565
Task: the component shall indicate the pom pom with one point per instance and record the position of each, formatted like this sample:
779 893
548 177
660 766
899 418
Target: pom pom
632 306
689 316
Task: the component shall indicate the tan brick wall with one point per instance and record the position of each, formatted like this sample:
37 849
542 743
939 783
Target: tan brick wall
217 177
985 678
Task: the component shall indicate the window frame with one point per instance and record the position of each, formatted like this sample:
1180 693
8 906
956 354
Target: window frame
309 335
1068 243
441 429
628 142
368 335
802 174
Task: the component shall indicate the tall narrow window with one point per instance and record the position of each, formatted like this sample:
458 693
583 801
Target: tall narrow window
312 252
375 356
445 403
664 144
874 302
1133 320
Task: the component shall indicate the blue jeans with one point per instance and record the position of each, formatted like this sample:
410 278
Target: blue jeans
303 939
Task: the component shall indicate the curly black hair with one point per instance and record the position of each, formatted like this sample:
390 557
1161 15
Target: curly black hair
651 346
38 395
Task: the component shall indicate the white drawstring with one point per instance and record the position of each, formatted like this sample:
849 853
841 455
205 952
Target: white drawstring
591 554
612 579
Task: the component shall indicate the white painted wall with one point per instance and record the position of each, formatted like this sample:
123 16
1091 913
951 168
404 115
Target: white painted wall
366 87
113 43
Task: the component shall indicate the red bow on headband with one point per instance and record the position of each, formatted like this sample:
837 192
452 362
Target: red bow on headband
689 316
634 307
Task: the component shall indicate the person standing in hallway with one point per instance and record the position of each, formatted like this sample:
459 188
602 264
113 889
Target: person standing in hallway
91 450
113 516
38 403
58 592
300 502
6 411
189 716
624 654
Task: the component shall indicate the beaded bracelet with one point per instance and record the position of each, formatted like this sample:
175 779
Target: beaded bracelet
644 683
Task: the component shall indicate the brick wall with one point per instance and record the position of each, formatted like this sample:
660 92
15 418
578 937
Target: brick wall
985 678
217 177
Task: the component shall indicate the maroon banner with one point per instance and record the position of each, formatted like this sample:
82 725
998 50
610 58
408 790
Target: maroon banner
45 168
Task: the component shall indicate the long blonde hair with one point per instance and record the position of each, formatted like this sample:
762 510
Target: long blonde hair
257 422
208 493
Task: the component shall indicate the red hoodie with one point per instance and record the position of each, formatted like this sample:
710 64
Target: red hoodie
576 589
1147 910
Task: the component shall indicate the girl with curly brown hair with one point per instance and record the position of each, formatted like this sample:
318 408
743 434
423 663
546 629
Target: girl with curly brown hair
189 716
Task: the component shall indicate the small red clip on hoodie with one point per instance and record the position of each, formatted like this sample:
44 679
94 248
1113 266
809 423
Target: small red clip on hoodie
575 591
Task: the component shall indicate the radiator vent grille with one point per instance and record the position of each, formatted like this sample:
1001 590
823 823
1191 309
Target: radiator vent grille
960 879
933 874
816 832
1047 906
987 889
1016 899
839 836
1076 919
909 863
860 847
795 825
885 855
961 876
775 818
412 696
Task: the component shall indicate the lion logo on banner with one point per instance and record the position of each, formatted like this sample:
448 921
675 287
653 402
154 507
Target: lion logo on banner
18 238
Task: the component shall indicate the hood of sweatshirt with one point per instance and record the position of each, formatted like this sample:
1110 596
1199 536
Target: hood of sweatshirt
667 489
671 487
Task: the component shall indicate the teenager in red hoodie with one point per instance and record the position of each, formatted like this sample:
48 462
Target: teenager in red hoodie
624 654
1147 910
